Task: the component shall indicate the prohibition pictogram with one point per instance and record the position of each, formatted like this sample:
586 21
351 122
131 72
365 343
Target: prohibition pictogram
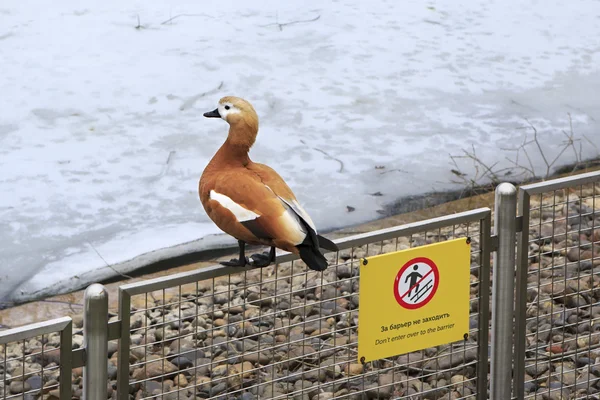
416 283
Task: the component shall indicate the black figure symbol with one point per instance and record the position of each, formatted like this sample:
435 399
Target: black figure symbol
414 278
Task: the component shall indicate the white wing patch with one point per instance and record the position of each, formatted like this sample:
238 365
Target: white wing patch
241 214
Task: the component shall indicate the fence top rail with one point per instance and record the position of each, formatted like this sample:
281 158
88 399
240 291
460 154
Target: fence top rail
561 183
32 330
217 270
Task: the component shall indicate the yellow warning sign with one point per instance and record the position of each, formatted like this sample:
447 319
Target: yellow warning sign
413 299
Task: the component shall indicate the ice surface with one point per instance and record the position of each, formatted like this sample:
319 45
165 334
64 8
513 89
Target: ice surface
102 140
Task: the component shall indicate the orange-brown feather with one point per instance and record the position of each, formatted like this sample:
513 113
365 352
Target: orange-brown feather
245 187
273 180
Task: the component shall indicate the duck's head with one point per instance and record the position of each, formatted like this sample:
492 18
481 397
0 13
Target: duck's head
234 110
242 119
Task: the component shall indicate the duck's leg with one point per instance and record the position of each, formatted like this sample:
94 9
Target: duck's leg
264 259
242 261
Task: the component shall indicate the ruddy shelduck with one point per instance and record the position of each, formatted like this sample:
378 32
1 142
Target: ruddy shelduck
250 201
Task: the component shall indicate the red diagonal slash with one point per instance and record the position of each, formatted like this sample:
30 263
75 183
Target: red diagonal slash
415 285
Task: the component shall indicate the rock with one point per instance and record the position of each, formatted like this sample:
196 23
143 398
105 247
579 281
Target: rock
77 342
151 387
139 320
111 370
354 369
202 382
536 370
343 271
34 382
246 369
458 379
259 300
199 322
236 310
583 361
51 356
329 292
182 362
263 357
275 390
447 361
113 347
543 332
154 369
77 320
554 394
219 370
331 370
221 298
530 387
136 339
322 333
386 384
202 366
180 380
217 389
413 359
304 385
17 387
323 396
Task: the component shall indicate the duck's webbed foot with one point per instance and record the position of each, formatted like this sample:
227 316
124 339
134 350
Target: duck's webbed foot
240 262
236 262
263 260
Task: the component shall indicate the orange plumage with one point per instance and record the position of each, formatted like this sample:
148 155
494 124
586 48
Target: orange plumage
250 201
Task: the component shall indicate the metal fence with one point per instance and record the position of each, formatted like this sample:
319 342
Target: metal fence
557 346
288 332
36 360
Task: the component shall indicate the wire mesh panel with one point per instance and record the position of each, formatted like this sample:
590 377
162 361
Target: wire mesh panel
558 301
288 332
35 361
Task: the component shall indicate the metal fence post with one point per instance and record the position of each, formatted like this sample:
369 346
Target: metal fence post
503 292
95 342
521 296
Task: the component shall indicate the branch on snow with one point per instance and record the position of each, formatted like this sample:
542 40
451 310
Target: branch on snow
301 21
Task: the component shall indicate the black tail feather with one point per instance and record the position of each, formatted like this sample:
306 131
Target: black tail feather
327 244
312 257
309 249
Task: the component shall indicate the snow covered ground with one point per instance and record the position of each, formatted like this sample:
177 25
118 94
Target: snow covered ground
102 138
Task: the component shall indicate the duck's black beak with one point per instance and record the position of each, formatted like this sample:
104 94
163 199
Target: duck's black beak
213 114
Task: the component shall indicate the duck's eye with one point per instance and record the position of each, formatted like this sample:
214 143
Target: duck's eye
227 107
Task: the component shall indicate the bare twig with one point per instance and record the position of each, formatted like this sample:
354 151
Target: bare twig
62 302
171 153
327 155
182 15
592 143
519 169
164 169
281 25
107 264
331 157
393 170
139 25
192 100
